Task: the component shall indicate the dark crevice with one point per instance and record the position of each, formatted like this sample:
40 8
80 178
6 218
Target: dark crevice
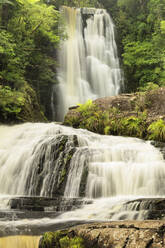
126 242
148 245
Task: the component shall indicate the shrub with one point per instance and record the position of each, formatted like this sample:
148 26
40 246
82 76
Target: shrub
156 130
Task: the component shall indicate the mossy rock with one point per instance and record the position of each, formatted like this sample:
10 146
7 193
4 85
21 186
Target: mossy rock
140 115
61 239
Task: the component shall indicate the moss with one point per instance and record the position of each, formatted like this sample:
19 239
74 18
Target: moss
65 164
63 143
62 176
61 239
83 182
51 239
75 242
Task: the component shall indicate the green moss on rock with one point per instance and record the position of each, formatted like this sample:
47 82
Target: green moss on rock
61 239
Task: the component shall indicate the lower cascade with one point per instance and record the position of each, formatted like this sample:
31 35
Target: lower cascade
74 175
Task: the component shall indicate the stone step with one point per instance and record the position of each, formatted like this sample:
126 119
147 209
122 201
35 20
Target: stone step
58 204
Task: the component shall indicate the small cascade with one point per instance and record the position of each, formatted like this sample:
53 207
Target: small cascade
20 242
88 61
34 161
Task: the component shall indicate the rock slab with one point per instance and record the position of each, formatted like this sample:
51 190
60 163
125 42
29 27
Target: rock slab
119 234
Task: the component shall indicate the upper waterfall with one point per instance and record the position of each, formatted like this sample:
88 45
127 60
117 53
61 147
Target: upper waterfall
88 61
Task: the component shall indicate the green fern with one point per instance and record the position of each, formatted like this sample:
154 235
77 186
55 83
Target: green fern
84 107
156 130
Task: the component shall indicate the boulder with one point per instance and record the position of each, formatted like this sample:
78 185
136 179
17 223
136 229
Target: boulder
121 234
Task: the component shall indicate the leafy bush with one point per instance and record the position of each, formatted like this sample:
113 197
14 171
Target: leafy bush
134 126
11 103
127 126
156 130
148 87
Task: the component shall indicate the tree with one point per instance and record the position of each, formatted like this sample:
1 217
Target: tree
28 40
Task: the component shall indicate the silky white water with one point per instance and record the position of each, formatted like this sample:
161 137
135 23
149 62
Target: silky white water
119 169
88 61
116 165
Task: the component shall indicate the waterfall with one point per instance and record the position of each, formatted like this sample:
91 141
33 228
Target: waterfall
33 156
88 61
50 160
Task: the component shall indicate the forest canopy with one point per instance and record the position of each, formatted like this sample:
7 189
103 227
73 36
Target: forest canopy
29 35
141 37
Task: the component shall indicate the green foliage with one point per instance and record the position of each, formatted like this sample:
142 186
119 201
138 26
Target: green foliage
88 116
63 174
134 126
75 242
148 87
61 239
156 130
134 121
127 126
18 106
5 2
91 117
141 59
28 37
83 108
141 39
77 3
110 121
11 103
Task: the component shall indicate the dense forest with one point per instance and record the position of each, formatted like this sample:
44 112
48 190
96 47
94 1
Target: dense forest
30 36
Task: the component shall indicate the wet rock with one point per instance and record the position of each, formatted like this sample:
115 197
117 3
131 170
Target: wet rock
145 208
123 234
160 146
51 166
58 204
